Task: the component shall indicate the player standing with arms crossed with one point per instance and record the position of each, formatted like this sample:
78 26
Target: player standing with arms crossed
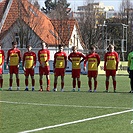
29 62
2 57
111 61
12 63
93 62
59 66
76 58
43 58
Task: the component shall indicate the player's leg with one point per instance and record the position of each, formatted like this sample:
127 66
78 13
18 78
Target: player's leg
79 83
90 84
74 84
55 83
62 83
107 83
17 81
48 82
95 83
114 82
1 81
10 81
33 82
26 82
41 82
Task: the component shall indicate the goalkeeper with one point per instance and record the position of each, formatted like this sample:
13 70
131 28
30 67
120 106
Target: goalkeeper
130 68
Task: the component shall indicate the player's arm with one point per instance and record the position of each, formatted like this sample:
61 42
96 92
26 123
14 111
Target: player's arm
69 58
23 61
83 57
38 55
55 56
65 58
34 58
3 57
98 60
117 61
86 59
105 60
7 59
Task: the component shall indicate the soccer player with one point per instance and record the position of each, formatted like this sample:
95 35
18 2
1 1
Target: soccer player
93 60
12 63
76 58
43 58
59 67
29 62
130 68
2 57
111 61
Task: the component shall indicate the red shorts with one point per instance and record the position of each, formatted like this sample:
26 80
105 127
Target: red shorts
75 73
59 72
1 71
92 73
110 73
44 70
28 72
13 69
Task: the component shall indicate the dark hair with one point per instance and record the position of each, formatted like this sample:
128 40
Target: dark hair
28 46
14 42
92 47
60 46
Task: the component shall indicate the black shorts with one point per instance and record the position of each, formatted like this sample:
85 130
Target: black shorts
131 74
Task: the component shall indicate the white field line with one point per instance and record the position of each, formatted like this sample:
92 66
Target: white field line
59 105
78 121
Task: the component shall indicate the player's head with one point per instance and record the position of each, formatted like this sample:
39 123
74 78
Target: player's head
111 47
93 48
43 45
74 48
14 44
60 48
29 48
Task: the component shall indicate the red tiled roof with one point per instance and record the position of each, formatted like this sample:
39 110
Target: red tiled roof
2 5
36 20
65 29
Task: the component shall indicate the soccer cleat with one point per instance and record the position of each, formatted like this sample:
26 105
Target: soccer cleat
62 90
106 91
89 90
18 88
48 89
131 91
73 90
78 89
32 89
41 90
55 89
94 91
9 89
114 91
26 89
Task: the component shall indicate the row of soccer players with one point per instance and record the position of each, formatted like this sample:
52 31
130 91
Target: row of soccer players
60 63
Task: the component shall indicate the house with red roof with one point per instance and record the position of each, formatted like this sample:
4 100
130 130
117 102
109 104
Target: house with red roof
22 22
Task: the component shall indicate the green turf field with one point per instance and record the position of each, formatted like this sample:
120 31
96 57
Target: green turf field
67 112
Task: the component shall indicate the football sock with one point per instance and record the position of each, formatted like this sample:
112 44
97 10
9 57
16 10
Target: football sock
48 82
74 83
95 85
10 82
40 83
114 84
55 84
33 82
62 85
26 82
131 83
79 84
107 85
90 85
1 83
17 81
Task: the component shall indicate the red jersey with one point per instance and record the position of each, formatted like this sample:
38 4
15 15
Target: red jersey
111 61
44 56
60 60
93 61
29 60
2 57
75 58
15 57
